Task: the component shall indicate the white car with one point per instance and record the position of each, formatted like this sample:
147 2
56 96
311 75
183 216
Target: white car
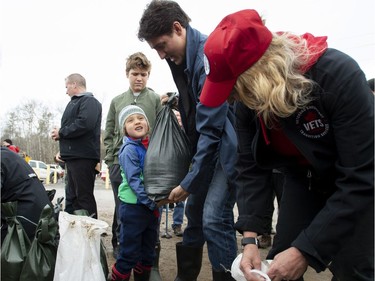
59 170
43 170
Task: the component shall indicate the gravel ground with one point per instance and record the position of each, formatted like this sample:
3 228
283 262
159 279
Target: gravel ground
105 202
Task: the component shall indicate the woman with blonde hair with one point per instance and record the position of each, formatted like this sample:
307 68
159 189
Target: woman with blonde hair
306 110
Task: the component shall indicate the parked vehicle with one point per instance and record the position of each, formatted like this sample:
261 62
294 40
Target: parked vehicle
59 169
43 170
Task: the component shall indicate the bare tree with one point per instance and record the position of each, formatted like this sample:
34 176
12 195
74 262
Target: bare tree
29 125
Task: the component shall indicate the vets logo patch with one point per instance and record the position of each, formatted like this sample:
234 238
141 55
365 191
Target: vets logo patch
311 123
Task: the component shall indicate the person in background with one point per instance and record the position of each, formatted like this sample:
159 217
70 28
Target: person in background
138 69
68 204
307 110
277 182
178 218
20 184
79 141
209 207
25 156
9 144
138 213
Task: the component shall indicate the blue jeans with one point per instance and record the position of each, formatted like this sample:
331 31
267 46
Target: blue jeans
178 214
210 219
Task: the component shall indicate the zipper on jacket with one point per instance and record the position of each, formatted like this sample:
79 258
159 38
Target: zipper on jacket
309 176
264 131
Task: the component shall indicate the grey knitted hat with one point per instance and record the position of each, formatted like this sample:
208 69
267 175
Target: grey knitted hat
127 111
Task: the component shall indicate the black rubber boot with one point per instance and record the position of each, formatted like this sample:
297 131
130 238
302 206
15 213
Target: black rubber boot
155 275
141 273
189 262
222 276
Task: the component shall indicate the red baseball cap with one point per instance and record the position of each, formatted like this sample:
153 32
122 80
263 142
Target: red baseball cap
237 43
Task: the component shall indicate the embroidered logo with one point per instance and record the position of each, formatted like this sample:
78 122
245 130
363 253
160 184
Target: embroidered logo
312 123
206 65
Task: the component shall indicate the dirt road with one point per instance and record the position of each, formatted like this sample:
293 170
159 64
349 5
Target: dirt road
168 266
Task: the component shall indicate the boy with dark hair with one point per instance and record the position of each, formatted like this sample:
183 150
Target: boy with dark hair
209 208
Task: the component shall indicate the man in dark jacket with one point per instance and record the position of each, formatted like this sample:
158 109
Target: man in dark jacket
209 208
79 138
20 184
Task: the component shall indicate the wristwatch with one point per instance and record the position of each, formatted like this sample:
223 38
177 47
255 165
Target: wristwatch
249 240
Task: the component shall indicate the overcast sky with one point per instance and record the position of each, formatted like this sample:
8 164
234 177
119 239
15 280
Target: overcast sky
43 41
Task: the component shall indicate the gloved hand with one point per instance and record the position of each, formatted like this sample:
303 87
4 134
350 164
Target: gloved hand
156 213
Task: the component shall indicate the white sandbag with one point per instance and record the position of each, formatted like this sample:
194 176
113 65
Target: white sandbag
78 253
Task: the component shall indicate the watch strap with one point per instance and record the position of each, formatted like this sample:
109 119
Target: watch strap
249 240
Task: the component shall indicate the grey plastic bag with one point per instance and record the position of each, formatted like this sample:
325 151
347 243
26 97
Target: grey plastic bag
168 155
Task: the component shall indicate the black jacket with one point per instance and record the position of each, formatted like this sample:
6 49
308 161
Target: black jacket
80 128
20 184
335 133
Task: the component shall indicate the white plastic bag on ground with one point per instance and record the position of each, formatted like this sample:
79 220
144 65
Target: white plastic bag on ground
237 274
78 253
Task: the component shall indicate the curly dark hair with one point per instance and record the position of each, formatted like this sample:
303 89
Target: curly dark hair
8 141
158 18
370 82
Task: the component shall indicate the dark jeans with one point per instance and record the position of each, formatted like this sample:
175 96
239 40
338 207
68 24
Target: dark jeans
116 179
138 237
178 214
69 195
81 181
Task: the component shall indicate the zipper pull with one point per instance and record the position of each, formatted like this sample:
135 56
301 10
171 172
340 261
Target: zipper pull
309 176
